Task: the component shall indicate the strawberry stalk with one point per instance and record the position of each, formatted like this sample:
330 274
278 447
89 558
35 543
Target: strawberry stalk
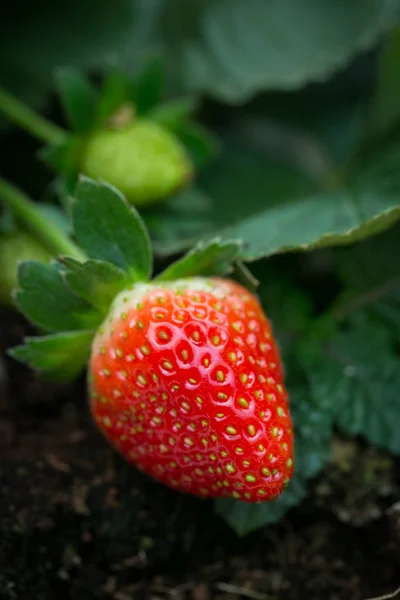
28 119
38 223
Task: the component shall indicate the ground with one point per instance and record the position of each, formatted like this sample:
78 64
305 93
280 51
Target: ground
78 523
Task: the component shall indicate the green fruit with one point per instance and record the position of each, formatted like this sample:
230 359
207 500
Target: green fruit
14 248
144 161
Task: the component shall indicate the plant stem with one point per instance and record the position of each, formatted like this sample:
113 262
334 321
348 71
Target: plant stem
43 227
20 113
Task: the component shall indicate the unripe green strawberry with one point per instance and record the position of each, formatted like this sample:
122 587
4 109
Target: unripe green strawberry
187 382
14 248
143 160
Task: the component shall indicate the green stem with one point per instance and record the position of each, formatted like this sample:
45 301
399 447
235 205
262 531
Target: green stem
43 227
17 111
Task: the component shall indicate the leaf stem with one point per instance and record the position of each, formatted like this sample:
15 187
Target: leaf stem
22 115
43 227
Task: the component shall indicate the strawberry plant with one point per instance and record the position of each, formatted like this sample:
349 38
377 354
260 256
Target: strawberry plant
185 377
200 292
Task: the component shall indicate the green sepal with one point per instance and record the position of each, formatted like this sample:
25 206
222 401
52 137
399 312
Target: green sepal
78 97
108 229
212 258
96 281
148 85
244 276
114 93
60 356
174 115
45 299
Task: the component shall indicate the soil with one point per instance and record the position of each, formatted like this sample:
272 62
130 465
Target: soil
78 523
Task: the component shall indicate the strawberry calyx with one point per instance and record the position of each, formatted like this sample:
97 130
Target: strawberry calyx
69 299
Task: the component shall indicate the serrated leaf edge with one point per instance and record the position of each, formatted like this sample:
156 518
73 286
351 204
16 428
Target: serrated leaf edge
132 272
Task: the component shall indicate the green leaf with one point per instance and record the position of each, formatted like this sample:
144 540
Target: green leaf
45 299
233 49
368 204
113 94
110 230
96 281
174 115
59 356
239 185
385 109
148 85
274 207
358 370
329 126
210 259
245 518
78 97
313 431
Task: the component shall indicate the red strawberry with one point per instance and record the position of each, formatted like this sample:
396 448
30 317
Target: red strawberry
186 381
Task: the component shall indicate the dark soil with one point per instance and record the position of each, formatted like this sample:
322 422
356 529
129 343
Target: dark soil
77 523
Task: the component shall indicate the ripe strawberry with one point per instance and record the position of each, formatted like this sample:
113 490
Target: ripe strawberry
187 382
143 160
